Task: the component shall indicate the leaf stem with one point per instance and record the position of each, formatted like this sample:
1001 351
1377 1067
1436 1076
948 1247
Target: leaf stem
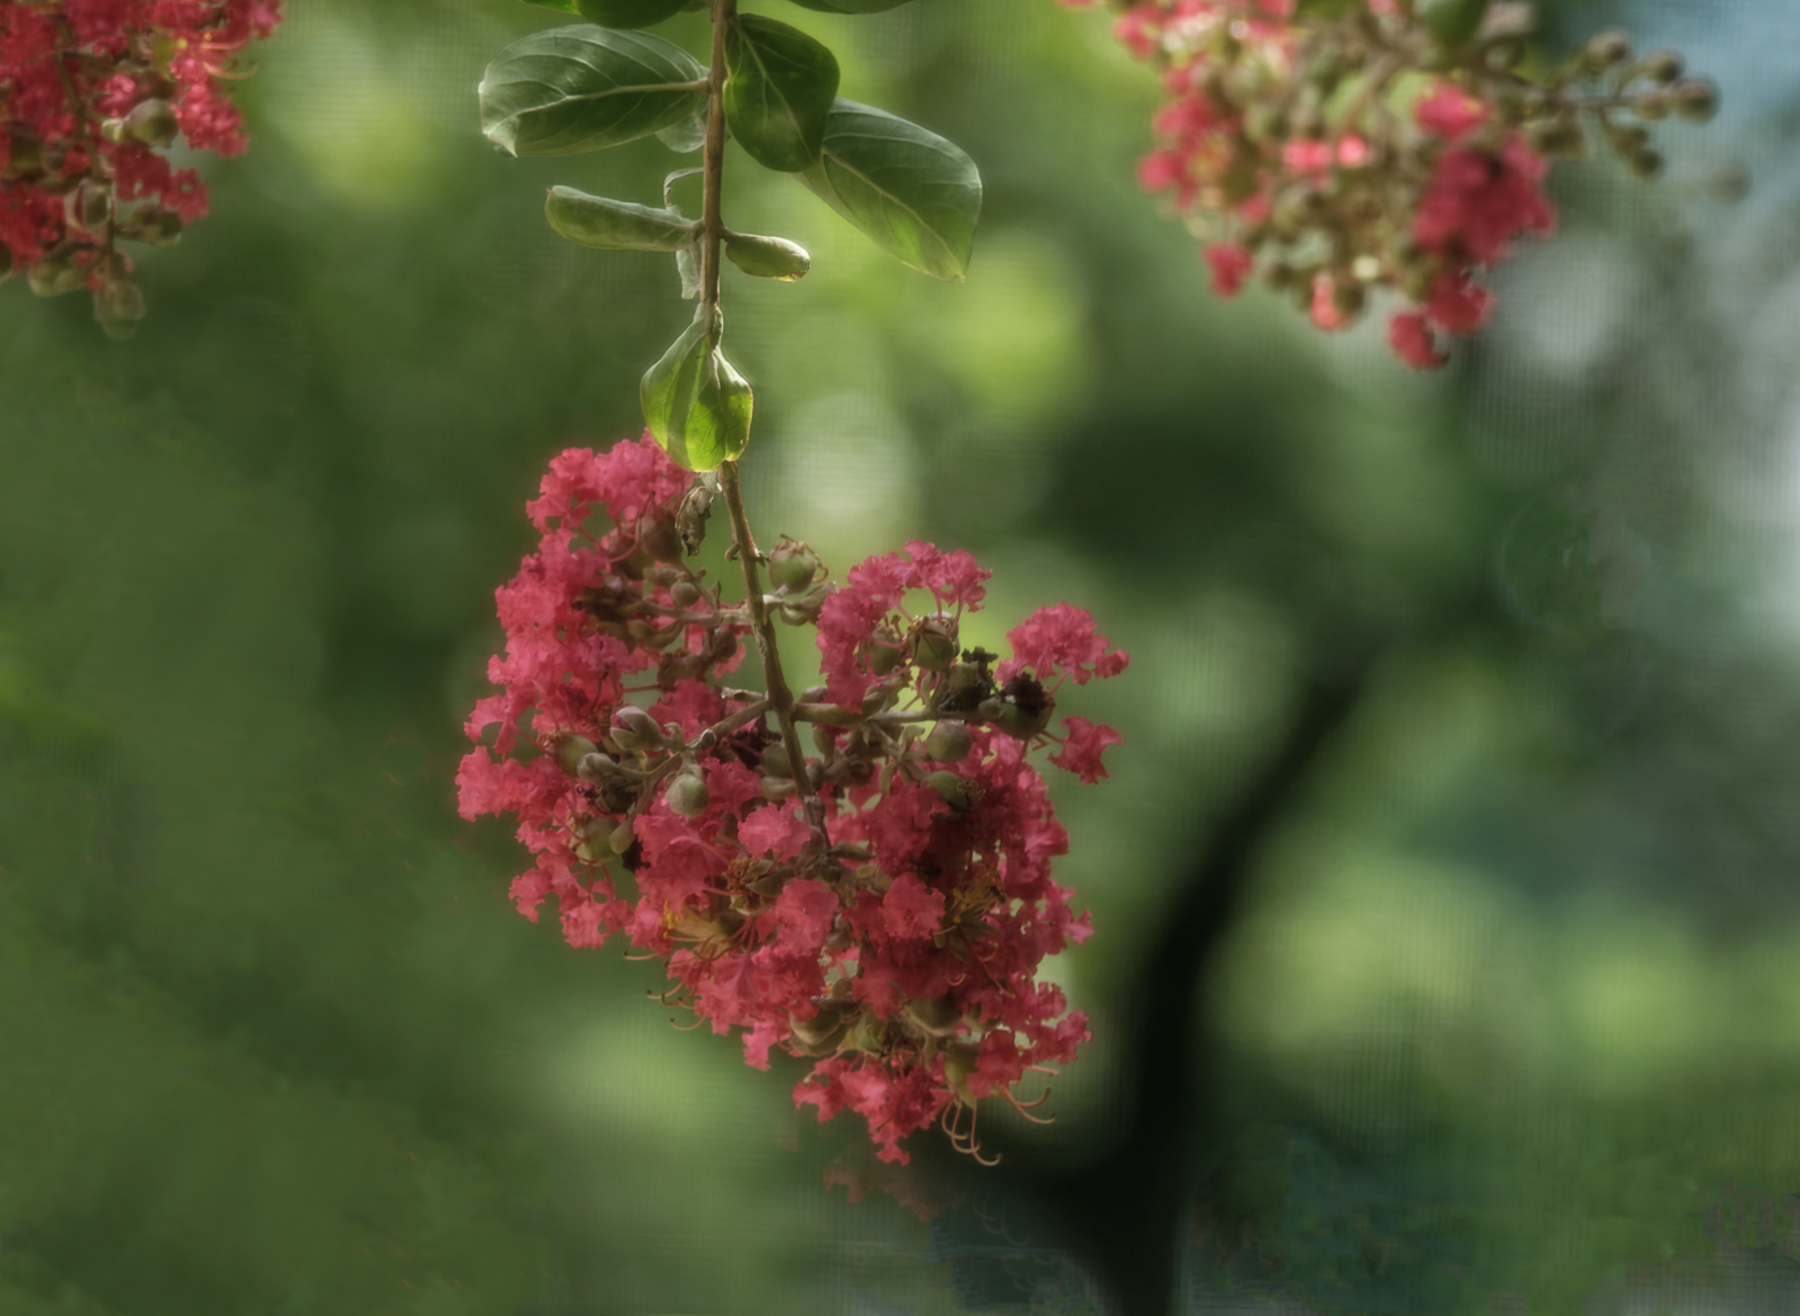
712 232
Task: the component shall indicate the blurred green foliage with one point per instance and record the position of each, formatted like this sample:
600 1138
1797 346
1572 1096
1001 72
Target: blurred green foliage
1514 1012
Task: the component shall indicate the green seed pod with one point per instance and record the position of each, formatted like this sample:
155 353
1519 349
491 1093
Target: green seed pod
767 258
949 742
597 221
688 796
793 566
882 653
572 750
153 123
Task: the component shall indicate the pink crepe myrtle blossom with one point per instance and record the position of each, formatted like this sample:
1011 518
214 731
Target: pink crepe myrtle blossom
1348 152
91 93
895 947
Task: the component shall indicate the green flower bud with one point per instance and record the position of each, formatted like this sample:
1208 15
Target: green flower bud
949 742
152 224
957 792
1696 99
793 566
153 123
623 836
776 763
688 796
571 750
1661 65
595 843
934 645
54 276
634 730
1607 49
767 258
882 653
596 767
937 1017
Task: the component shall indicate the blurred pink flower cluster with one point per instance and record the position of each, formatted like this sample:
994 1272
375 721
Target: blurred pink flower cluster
91 93
1337 150
880 908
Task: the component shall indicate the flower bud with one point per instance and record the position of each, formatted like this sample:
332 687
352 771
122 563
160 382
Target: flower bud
623 837
776 763
571 750
767 258
804 610
959 1063
1696 99
1651 105
635 730
54 276
25 151
937 1017
1607 49
656 535
596 767
792 566
882 653
595 842
957 792
949 742
687 795
934 645
153 123
1661 65
89 206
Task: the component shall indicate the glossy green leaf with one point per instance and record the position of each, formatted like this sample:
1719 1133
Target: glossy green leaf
582 88
915 194
628 13
597 221
767 258
696 405
849 6
780 92
686 135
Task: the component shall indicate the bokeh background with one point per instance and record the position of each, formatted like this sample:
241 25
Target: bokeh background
1513 1021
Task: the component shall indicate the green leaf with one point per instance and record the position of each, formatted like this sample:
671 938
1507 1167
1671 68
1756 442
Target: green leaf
849 6
780 92
915 194
628 13
687 135
767 258
567 6
597 221
1453 22
582 88
696 405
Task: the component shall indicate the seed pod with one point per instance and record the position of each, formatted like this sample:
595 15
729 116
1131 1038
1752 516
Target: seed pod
656 535
1646 163
685 593
767 258
949 742
1661 65
152 224
153 123
54 276
687 795
882 653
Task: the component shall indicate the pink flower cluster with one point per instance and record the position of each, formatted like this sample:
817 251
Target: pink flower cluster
879 906
1318 166
91 91
1380 144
